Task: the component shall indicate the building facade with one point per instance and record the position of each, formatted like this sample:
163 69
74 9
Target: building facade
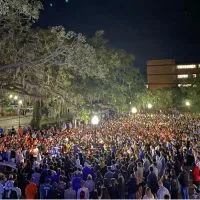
167 73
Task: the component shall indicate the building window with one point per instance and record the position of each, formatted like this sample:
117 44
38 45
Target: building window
184 85
186 66
194 75
182 76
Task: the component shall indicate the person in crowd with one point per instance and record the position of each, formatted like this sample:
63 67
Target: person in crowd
83 192
90 184
148 194
152 181
162 191
70 193
184 182
31 190
126 156
196 175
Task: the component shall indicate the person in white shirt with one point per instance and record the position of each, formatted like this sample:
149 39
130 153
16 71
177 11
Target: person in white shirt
70 193
162 191
83 192
90 184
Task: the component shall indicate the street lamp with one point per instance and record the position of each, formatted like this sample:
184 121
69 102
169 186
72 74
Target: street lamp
20 102
95 122
134 110
187 103
15 97
149 105
10 96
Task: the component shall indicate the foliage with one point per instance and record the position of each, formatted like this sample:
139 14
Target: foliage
160 99
192 94
121 83
61 70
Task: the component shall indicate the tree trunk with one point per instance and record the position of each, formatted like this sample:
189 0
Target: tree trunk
37 115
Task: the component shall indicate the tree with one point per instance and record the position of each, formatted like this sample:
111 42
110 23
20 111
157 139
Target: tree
41 63
162 99
121 83
193 95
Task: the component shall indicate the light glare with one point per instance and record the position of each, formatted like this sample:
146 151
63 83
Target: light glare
95 120
134 110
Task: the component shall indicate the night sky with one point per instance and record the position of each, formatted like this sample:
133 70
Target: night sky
149 29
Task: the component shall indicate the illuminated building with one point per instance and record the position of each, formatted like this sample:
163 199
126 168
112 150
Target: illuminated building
167 73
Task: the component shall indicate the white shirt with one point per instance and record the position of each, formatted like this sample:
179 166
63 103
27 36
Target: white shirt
162 192
70 194
90 185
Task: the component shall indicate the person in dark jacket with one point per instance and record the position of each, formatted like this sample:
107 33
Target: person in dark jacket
184 182
132 187
152 181
113 189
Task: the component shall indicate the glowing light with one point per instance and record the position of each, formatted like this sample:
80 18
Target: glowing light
11 96
186 66
134 110
20 102
187 103
51 4
95 120
15 97
182 76
149 105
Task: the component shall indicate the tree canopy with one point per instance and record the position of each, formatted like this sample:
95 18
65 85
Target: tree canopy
59 67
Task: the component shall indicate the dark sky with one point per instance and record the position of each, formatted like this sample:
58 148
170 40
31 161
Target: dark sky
149 29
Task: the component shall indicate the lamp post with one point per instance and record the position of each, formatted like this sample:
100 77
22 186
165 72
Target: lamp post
95 122
149 106
19 108
187 103
134 111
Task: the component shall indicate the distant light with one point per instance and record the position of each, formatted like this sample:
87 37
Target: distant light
67 1
51 4
134 110
20 102
149 105
15 97
95 120
187 103
11 96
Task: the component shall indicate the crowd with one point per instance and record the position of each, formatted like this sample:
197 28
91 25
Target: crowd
133 157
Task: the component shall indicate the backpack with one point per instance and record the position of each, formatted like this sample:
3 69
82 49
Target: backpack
13 194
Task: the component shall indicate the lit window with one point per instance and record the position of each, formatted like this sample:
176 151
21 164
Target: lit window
182 76
194 75
184 85
186 66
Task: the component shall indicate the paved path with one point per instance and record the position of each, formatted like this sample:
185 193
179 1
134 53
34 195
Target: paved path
8 122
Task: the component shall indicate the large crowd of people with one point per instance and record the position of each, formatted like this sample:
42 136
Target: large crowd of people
131 157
